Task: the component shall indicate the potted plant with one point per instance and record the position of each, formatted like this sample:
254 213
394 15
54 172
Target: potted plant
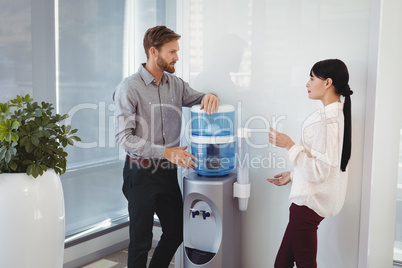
32 158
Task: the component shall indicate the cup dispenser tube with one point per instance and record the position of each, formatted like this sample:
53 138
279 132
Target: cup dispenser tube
241 188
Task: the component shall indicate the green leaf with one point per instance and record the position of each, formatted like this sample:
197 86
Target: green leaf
40 169
28 147
38 112
8 156
50 125
22 131
8 137
13 165
46 133
45 121
15 124
13 149
64 154
29 169
4 108
76 138
14 136
27 162
34 140
4 125
58 170
30 107
24 141
35 171
3 151
64 117
2 135
28 98
37 134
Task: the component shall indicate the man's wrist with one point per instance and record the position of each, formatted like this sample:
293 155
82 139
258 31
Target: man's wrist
165 155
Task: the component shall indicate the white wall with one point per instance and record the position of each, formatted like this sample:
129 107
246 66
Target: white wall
283 39
383 124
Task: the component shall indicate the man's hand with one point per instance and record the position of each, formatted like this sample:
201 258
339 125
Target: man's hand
280 139
281 179
179 156
210 103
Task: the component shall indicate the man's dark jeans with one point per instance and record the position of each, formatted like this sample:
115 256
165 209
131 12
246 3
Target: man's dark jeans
149 190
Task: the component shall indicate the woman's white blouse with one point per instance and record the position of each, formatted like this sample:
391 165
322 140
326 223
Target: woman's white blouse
317 180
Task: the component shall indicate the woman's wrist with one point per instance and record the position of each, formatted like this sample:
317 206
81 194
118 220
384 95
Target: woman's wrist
290 145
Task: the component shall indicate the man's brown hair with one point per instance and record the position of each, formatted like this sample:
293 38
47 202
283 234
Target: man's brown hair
158 36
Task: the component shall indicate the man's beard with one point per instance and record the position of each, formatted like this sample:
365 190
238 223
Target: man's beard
164 66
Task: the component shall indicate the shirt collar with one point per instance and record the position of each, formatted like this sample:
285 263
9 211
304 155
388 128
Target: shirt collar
333 106
148 78
332 109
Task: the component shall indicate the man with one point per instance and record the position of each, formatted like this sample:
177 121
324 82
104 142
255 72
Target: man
148 117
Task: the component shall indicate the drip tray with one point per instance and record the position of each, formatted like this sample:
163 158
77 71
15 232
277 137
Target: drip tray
198 256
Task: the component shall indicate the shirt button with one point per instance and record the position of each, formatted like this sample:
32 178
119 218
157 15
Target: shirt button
162 105
163 133
149 102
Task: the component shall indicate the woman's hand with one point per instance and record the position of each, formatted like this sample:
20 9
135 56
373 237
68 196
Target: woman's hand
281 179
280 139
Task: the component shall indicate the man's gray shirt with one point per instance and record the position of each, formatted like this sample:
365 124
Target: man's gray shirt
148 117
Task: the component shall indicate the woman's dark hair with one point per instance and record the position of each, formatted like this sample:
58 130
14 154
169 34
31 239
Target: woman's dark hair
157 37
338 72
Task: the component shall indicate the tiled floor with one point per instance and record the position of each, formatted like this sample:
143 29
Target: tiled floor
119 260
116 260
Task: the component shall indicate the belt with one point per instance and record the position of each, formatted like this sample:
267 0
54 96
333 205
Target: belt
147 162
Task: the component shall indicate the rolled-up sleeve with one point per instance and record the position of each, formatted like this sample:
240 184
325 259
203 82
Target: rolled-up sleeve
190 96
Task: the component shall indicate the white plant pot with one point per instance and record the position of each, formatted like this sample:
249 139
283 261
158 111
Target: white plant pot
31 221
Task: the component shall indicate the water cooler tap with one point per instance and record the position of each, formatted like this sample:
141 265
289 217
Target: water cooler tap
205 214
194 213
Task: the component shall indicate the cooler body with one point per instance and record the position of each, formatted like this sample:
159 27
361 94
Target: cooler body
211 222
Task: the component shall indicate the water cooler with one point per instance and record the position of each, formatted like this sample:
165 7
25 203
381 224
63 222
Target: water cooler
214 194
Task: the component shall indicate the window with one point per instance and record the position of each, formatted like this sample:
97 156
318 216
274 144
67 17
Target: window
15 49
90 56
99 42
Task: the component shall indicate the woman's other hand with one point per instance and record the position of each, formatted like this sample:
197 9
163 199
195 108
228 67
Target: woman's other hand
280 139
281 179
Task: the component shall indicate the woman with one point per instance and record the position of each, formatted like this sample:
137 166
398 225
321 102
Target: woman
319 178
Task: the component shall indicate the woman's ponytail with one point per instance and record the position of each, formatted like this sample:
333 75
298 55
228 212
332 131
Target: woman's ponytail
347 135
